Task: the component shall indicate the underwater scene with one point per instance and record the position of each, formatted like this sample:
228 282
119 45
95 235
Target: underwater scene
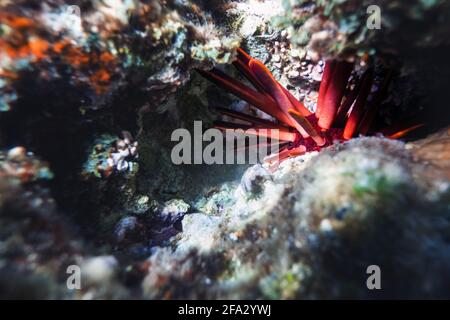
224 149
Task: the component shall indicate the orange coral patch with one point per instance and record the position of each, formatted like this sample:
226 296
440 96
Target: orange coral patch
100 81
38 48
14 21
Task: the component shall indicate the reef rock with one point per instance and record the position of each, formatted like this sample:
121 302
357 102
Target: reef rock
317 226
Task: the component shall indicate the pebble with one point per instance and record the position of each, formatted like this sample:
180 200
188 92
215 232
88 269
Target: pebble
17 154
325 225
122 165
120 144
125 226
99 270
293 74
253 179
124 153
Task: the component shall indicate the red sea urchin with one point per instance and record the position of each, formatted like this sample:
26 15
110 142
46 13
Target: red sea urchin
340 113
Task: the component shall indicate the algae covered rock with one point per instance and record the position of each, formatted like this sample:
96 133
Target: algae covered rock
335 27
320 222
92 46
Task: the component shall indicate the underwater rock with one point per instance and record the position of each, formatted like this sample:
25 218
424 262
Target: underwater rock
125 228
24 167
434 152
174 210
111 154
333 28
166 221
322 220
98 270
103 41
254 178
99 279
198 231
36 241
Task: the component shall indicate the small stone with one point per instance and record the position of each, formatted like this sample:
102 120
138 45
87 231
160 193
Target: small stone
133 151
316 73
233 237
293 74
173 210
122 165
125 226
124 153
99 147
249 26
142 204
98 270
253 179
127 137
17 154
326 226
116 157
143 200
121 145
110 162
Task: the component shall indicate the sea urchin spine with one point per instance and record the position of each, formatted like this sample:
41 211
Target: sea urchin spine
300 129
